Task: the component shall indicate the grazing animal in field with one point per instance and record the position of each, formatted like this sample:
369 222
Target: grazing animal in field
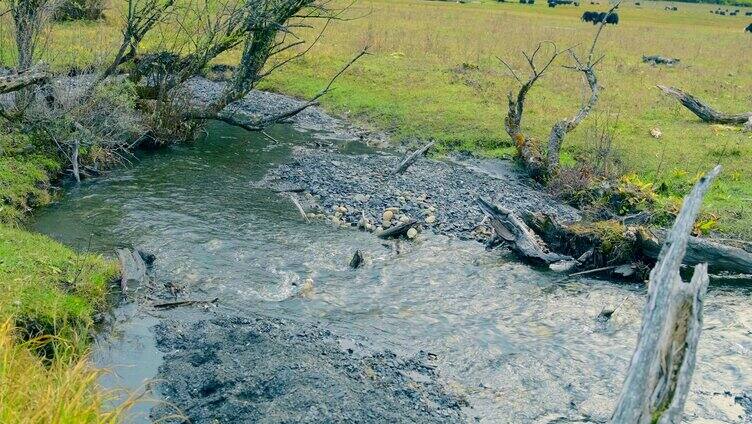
748 14
749 28
637 3
598 17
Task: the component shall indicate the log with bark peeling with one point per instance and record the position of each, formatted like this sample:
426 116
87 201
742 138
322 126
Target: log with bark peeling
705 111
523 241
660 372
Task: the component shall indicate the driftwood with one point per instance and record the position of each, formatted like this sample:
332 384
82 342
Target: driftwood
719 257
132 268
15 82
411 158
706 112
661 368
299 207
659 60
187 302
523 241
398 230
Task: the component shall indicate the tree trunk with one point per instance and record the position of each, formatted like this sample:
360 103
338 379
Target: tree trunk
705 111
661 368
15 82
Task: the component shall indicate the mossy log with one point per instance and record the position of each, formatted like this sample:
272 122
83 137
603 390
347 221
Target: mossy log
614 243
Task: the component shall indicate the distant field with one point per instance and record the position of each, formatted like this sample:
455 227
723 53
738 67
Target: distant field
433 73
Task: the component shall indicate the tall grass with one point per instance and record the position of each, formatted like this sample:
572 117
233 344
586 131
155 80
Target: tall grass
63 390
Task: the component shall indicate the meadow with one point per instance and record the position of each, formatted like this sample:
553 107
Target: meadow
434 73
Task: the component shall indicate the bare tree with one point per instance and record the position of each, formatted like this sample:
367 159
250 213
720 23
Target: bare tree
542 164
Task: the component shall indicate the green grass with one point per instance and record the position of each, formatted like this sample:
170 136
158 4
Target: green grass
48 286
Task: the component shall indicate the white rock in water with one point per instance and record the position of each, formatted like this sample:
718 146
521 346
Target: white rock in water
342 209
412 233
386 224
404 219
430 219
388 215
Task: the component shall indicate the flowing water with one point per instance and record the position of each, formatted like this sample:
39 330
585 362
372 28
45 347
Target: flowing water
519 343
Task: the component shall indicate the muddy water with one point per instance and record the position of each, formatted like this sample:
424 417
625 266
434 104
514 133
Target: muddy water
522 346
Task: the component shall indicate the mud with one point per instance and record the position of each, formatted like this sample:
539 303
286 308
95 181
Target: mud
257 369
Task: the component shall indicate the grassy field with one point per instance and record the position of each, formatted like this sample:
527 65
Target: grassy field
434 73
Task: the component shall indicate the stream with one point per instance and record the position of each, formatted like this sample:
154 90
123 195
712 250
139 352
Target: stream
517 343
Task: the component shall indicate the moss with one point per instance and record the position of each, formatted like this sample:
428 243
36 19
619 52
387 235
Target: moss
48 288
24 176
612 241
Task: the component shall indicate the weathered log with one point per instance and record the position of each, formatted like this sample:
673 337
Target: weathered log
411 158
719 257
705 111
523 240
132 268
188 302
299 207
15 82
659 60
398 230
662 364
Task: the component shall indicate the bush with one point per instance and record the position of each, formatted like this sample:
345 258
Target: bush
77 10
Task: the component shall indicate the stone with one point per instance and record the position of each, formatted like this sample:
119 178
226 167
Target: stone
430 219
388 215
412 233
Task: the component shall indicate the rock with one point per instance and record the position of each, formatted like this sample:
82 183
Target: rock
388 215
404 218
386 224
342 209
306 290
357 260
412 233
361 198
656 133
430 219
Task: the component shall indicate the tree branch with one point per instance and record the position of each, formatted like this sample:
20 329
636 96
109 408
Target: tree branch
705 111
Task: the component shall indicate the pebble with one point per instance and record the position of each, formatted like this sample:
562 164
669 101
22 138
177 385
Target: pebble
412 233
430 219
386 224
342 209
404 218
388 215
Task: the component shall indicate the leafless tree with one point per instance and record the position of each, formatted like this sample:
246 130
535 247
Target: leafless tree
543 164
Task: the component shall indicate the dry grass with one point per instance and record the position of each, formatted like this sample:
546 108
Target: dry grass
61 391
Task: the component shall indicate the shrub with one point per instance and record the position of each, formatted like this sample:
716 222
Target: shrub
77 10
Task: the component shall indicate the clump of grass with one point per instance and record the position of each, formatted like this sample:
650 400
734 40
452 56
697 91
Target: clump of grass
63 390
48 286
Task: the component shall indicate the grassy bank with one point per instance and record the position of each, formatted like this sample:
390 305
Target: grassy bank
49 296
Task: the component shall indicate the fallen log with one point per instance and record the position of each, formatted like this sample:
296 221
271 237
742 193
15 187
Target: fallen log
705 111
132 268
719 257
521 238
15 82
661 368
411 158
398 230
299 207
187 302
